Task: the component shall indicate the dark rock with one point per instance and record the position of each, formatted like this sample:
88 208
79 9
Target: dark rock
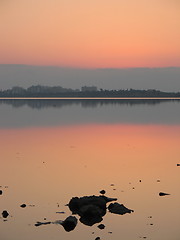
178 164
91 209
118 209
5 214
1 192
102 191
23 205
41 223
98 238
76 203
163 194
91 214
101 226
69 223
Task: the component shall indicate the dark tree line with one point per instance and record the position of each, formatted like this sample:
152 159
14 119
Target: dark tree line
43 91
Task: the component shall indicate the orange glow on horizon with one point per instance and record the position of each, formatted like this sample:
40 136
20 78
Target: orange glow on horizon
94 34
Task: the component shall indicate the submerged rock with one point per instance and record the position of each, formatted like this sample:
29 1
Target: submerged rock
119 209
5 214
163 194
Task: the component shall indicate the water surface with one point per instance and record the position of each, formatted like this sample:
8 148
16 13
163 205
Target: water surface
52 150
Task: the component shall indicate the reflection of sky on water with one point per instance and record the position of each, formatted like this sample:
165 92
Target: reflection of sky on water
45 167
52 151
24 113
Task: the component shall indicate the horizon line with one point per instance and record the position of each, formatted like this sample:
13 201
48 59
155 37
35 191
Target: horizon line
86 68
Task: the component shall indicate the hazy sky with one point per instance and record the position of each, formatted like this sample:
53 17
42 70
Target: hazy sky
165 79
91 34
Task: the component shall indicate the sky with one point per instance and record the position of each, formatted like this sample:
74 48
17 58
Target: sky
90 34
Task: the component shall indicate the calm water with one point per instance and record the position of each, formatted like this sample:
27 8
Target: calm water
52 150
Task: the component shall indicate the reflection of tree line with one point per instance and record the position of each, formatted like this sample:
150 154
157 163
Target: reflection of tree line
58 103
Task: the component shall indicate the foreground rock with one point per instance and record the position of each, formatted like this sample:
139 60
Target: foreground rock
91 209
69 223
119 209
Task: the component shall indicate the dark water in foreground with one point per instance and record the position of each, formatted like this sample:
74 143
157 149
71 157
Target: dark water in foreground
53 150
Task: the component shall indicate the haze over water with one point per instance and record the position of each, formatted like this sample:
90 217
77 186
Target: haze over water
53 150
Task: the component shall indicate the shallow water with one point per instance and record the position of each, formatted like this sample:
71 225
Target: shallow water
52 150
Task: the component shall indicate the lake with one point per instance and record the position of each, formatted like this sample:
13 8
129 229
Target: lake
56 149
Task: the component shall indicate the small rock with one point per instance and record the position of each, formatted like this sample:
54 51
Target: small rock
98 238
101 226
23 205
119 209
5 214
69 223
163 194
178 164
37 224
102 191
1 192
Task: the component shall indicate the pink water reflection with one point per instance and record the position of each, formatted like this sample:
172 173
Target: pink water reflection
45 167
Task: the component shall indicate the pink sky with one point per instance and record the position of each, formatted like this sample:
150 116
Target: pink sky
78 33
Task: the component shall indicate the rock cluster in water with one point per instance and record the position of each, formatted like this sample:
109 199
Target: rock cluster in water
91 210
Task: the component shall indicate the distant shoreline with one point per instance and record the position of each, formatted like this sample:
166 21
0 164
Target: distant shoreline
39 91
89 98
